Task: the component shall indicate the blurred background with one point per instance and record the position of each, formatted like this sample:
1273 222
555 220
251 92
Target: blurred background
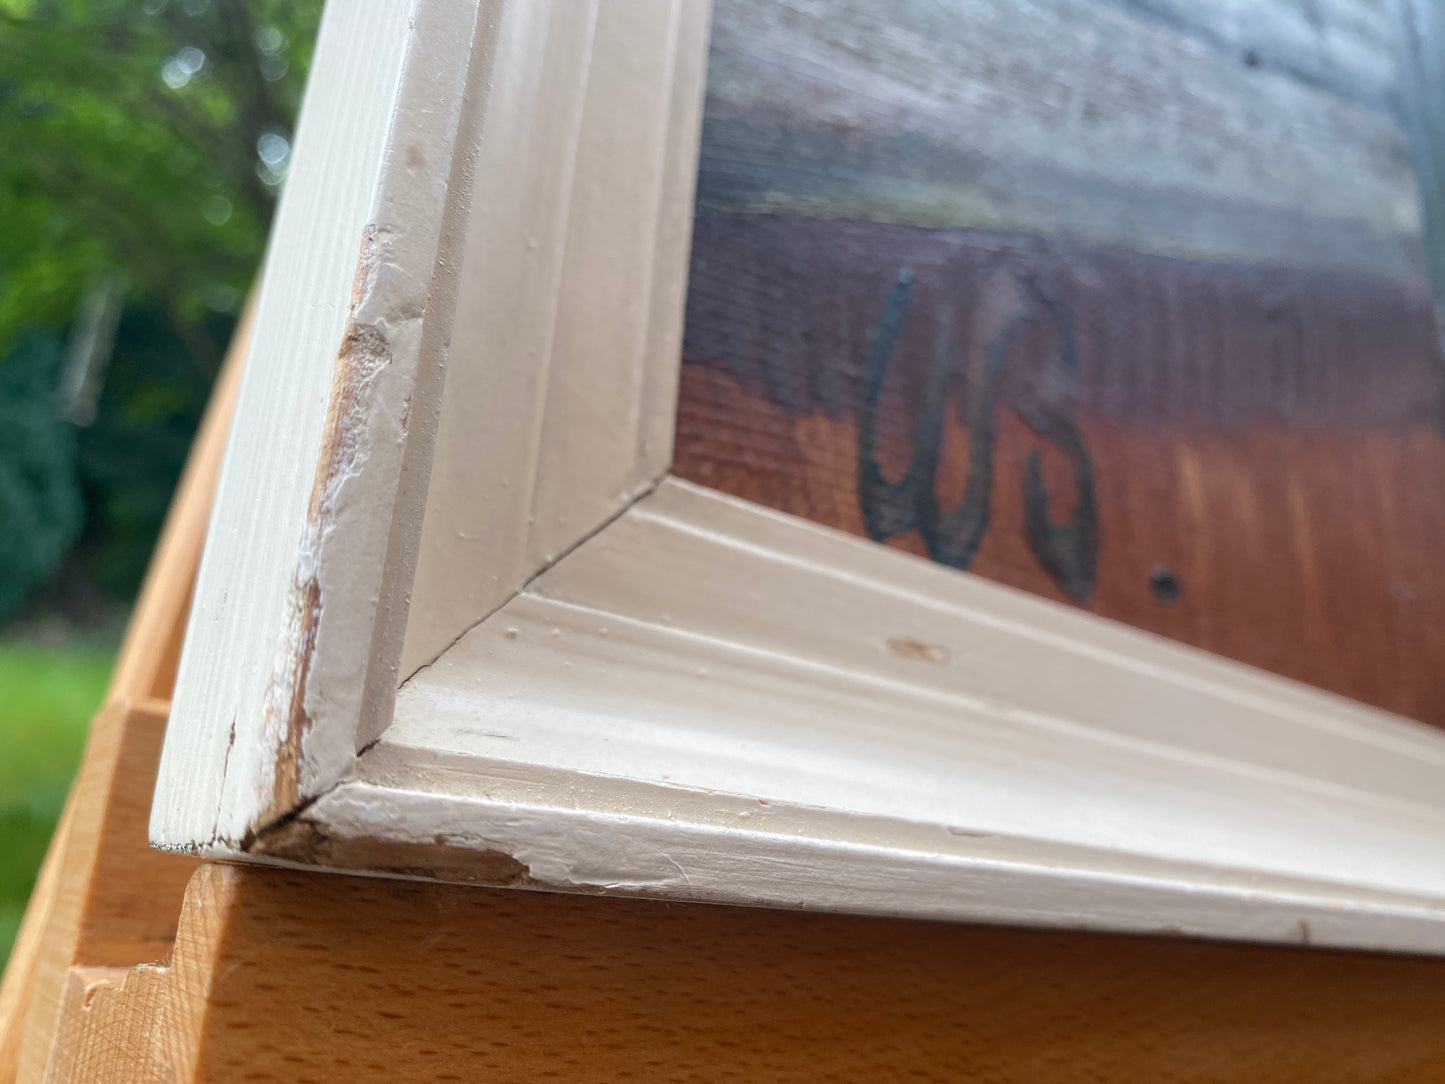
142 147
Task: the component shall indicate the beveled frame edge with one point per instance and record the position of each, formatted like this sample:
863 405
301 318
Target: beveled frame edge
348 787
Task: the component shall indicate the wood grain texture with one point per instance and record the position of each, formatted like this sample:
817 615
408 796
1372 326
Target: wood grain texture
312 978
103 912
1228 434
115 1024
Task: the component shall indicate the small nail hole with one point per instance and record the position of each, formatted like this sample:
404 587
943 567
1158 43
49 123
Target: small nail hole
1164 584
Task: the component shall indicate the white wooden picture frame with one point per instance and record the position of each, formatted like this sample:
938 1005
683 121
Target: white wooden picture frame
455 621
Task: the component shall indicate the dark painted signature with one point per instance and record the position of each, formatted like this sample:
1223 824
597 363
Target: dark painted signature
1067 550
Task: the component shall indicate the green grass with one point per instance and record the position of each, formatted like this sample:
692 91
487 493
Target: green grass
47 697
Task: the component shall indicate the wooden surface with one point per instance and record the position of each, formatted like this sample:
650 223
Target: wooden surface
305 977
105 911
1014 310
311 977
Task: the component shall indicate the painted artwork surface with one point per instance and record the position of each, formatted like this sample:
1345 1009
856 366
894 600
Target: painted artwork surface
1106 301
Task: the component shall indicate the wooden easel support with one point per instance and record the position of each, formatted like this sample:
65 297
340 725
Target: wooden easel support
137 966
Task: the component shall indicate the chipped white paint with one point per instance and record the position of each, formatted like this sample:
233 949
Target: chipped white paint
559 290
723 849
281 631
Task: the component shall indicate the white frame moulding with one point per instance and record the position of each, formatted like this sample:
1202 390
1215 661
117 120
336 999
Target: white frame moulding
469 630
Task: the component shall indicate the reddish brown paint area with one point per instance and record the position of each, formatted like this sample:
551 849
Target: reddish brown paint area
1270 437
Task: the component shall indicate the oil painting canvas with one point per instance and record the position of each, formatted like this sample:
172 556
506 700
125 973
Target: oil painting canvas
1123 304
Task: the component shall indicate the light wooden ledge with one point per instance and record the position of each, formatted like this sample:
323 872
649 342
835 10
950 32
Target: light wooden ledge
299 976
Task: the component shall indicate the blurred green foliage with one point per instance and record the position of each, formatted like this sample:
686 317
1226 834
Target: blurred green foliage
49 697
39 488
144 142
